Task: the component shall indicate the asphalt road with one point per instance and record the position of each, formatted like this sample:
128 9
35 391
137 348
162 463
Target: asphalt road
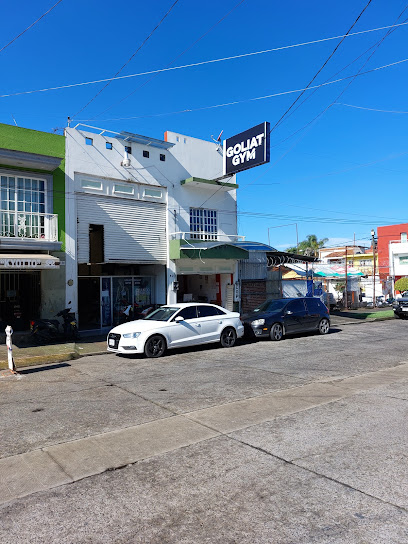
299 441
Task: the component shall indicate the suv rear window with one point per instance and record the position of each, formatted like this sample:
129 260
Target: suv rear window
314 305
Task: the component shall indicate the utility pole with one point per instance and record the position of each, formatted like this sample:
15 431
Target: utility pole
346 302
373 242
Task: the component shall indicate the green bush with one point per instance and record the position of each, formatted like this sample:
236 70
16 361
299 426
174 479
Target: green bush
401 285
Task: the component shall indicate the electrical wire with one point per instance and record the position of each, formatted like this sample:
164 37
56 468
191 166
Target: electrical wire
31 26
129 59
235 102
320 69
173 59
375 47
368 109
172 68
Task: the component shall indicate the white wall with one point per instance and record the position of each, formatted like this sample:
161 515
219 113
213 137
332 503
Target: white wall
189 157
201 159
398 250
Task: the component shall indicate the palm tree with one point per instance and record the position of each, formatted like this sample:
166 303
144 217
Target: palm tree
310 246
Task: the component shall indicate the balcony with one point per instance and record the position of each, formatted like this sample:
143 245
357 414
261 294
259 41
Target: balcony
20 230
197 235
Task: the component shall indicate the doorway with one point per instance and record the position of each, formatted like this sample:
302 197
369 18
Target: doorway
89 308
20 299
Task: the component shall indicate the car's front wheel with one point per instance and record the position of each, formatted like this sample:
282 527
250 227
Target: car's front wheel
324 326
228 337
155 346
276 332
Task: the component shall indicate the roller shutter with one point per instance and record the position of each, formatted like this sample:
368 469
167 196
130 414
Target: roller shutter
134 231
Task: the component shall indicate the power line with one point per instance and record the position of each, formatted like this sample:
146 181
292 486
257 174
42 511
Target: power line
375 47
130 58
320 69
235 102
174 58
28 28
212 61
368 109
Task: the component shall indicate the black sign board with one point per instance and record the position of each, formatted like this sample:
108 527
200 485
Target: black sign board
247 149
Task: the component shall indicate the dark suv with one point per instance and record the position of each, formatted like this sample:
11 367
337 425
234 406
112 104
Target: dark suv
401 307
278 317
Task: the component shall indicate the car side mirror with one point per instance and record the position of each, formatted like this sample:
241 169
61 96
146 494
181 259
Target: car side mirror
288 312
178 319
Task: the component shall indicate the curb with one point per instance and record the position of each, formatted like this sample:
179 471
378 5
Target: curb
49 359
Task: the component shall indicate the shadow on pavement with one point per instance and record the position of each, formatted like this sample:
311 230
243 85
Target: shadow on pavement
40 369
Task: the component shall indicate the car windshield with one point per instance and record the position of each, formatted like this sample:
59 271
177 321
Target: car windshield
162 314
271 306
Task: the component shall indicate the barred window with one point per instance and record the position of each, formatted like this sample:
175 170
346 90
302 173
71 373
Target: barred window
203 224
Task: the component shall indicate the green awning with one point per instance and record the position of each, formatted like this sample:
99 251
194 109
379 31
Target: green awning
206 249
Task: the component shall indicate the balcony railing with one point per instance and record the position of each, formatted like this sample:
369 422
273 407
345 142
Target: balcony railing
41 226
207 236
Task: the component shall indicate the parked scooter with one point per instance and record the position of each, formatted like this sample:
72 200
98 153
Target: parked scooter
44 331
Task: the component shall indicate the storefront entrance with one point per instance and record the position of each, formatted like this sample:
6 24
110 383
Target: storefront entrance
213 288
106 301
20 299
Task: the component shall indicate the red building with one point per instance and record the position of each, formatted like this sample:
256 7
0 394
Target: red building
390 233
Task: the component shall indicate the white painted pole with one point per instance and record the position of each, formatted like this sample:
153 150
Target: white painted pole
9 344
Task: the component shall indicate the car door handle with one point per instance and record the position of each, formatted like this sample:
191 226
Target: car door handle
197 325
220 322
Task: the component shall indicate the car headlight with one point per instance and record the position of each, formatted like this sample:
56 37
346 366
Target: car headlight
131 335
258 322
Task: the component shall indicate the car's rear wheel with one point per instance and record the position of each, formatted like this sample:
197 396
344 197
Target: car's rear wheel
228 337
276 333
324 326
155 346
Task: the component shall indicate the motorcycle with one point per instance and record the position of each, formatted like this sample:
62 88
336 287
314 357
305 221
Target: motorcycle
49 330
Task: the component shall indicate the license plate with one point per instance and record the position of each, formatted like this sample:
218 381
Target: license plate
404 309
111 342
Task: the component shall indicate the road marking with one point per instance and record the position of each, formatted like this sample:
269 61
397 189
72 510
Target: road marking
40 470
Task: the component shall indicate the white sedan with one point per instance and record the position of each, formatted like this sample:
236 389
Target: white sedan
176 325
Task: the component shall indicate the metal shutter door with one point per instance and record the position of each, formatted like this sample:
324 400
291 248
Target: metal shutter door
134 231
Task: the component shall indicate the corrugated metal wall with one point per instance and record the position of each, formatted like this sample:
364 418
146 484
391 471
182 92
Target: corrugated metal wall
134 231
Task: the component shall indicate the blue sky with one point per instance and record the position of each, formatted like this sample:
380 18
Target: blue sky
338 178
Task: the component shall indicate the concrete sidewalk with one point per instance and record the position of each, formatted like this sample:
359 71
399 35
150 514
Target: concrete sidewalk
52 353
96 345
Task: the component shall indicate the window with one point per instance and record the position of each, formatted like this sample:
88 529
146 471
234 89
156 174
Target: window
146 154
403 260
188 313
314 305
87 184
22 208
108 145
203 224
124 189
207 311
155 193
162 157
88 141
296 306
128 149
403 236
96 244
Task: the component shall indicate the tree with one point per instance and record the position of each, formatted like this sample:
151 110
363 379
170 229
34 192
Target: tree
401 285
310 246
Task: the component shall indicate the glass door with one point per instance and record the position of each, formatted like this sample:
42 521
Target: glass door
122 298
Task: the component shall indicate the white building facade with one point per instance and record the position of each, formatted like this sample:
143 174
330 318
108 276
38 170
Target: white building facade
136 210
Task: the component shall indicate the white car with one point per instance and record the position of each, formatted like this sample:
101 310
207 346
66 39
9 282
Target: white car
176 325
